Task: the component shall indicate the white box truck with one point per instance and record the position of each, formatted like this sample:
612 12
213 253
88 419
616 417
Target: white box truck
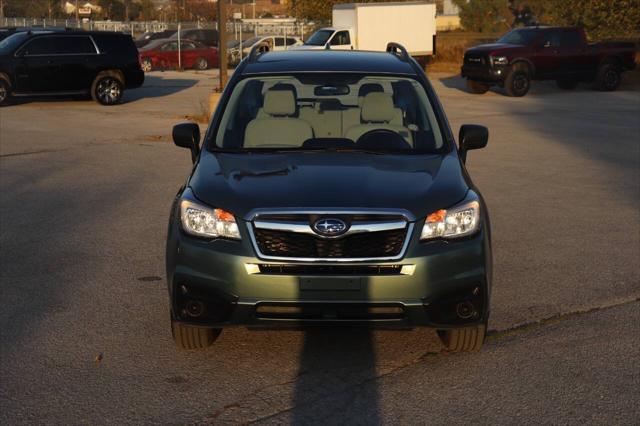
370 26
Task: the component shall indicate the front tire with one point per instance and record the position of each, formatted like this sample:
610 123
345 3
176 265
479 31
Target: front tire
202 64
477 87
517 83
190 337
608 78
5 92
107 88
466 339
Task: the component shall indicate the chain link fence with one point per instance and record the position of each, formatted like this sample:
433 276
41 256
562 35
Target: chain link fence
253 27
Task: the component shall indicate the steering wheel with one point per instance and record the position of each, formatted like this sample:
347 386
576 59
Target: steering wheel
382 139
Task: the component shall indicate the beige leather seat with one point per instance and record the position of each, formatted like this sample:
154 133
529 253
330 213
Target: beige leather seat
325 124
276 126
378 112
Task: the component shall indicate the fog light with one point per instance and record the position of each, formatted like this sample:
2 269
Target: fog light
194 308
465 310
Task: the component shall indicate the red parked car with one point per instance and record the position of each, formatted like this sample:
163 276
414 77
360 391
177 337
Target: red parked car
163 54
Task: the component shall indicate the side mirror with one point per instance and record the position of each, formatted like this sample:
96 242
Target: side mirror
187 135
471 136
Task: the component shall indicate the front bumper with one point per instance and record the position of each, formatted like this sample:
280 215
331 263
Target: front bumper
484 74
443 275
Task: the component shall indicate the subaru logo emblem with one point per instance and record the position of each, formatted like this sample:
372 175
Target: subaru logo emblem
330 227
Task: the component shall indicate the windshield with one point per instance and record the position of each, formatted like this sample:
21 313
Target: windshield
319 38
10 43
154 44
250 42
521 36
348 112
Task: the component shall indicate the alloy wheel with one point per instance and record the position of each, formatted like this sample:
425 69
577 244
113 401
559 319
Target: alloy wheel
146 65
202 64
611 78
520 83
109 91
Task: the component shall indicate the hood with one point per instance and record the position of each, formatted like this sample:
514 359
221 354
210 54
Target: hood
240 183
496 48
306 47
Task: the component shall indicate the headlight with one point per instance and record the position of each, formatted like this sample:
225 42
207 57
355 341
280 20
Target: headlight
500 60
458 221
204 221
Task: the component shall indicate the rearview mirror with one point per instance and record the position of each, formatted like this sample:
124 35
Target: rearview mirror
187 135
471 136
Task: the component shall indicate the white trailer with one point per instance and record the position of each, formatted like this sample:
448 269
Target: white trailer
370 26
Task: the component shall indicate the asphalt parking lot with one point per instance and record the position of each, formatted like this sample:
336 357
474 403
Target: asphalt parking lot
85 193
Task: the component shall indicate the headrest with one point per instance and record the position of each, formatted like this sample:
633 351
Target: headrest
367 88
279 102
285 86
377 107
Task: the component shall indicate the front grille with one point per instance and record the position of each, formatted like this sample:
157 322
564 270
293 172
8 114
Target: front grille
474 60
324 270
366 245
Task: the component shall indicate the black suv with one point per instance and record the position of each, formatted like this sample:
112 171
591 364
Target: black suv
329 189
63 62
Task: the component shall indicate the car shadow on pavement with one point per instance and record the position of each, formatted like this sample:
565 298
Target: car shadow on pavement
334 361
156 86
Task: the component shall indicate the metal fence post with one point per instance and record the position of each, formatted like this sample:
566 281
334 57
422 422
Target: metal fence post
179 48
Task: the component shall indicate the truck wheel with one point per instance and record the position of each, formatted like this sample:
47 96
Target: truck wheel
608 78
107 88
5 92
567 84
202 64
191 337
466 339
517 83
477 87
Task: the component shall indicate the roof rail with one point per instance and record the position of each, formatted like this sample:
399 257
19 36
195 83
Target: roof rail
398 50
258 50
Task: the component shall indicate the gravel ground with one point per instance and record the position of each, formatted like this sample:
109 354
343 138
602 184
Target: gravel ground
84 199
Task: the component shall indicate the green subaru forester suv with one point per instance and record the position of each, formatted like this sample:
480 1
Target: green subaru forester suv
329 189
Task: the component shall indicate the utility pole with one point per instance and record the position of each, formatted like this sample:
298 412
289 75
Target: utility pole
77 15
222 43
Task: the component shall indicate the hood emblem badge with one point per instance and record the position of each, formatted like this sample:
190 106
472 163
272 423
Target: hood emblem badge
330 227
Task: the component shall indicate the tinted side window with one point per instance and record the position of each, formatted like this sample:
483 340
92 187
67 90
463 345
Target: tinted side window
551 39
341 39
39 46
170 46
571 39
279 41
58 45
291 41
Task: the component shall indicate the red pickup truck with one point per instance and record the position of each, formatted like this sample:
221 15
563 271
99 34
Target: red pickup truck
546 53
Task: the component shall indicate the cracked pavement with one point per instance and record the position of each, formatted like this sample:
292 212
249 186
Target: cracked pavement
84 199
